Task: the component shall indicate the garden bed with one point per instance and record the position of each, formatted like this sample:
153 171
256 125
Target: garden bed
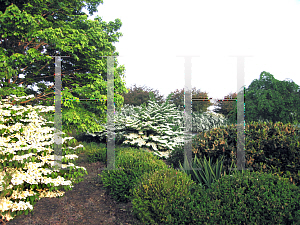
88 203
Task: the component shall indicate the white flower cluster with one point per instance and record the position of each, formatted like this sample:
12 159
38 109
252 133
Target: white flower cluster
29 137
159 127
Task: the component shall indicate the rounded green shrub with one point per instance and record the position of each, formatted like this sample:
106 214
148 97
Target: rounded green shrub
158 194
252 198
198 208
130 165
271 147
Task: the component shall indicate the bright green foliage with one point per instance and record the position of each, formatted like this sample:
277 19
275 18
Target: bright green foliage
130 165
96 155
253 198
63 30
159 193
273 147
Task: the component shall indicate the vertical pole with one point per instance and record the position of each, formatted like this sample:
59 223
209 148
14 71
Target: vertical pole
187 113
58 116
110 115
240 113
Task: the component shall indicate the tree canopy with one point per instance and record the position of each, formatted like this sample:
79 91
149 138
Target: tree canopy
225 107
140 95
59 27
197 106
272 100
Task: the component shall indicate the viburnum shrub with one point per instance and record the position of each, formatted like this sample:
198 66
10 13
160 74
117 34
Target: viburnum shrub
158 127
24 154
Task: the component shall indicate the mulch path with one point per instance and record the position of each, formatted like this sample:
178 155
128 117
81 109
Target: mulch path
88 203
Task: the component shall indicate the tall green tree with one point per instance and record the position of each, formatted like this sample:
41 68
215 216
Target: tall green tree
197 106
272 100
52 15
60 28
291 101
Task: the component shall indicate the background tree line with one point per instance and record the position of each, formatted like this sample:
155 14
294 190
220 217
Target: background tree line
140 95
265 99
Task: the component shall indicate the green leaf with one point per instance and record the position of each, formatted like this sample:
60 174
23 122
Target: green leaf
84 71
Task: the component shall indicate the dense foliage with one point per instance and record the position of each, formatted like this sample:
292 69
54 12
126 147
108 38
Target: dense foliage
197 106
130 165
138 96
62 30
268 99
226 107
254 198
273 147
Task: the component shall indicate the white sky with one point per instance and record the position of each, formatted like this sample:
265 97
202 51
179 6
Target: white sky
155 32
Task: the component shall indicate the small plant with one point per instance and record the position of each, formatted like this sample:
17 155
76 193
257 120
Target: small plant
203 172
96 155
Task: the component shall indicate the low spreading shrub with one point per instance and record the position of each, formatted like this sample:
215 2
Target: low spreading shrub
130 165
158 194
252 198
171 197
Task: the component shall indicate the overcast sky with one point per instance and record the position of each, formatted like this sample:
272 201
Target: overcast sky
155 32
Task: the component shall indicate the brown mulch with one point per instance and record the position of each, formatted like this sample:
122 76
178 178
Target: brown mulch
88 203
